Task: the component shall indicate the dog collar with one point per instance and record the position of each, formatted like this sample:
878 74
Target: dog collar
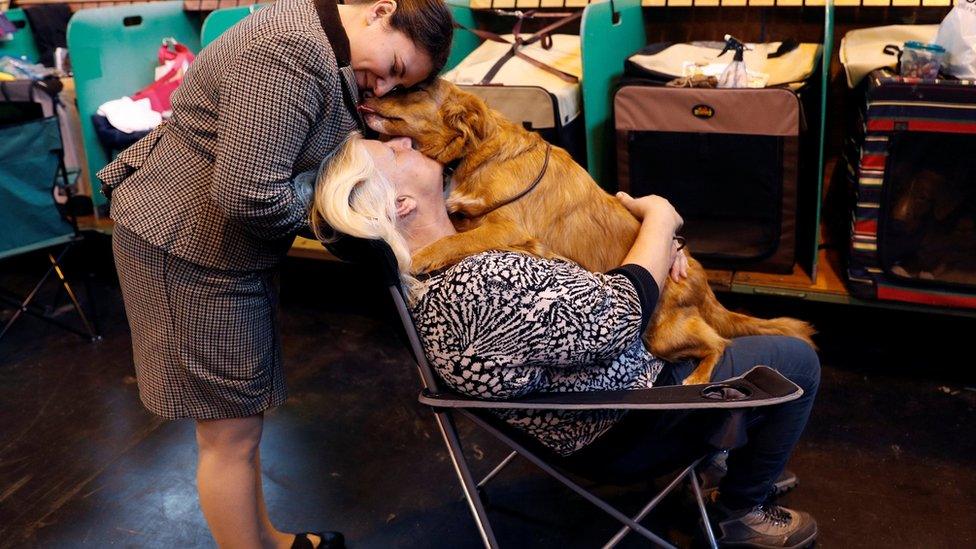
449 170
527 190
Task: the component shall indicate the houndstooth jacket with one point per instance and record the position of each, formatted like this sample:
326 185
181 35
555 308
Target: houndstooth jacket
266 101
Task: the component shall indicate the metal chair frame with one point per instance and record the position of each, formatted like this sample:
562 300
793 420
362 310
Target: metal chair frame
26 305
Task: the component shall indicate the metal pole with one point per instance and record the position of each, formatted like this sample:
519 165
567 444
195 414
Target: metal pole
71 295
653 503
467 482
498 468
701 507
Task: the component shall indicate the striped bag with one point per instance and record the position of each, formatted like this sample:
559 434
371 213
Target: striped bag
913 170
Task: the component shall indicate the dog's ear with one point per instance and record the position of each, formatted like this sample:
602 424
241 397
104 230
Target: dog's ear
467 118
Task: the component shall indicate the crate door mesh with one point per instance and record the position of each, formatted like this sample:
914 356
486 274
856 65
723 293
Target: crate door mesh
728 188
927 230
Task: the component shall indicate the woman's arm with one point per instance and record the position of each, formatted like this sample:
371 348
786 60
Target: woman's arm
269 102
655 248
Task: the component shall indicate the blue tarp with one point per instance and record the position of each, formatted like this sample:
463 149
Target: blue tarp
29 160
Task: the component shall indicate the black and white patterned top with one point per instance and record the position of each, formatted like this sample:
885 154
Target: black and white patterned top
503 324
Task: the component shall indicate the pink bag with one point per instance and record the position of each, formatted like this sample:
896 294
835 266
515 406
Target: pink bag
177 58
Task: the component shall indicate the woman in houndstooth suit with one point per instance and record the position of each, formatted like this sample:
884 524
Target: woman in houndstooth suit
207 204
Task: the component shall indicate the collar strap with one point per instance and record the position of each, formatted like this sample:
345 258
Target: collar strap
328 12
449 170
527 190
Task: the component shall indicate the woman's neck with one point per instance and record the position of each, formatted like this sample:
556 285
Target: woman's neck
347 13
422 229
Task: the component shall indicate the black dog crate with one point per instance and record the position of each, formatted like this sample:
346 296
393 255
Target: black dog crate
730 160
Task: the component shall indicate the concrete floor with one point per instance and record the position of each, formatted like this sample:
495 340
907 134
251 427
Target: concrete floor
887 460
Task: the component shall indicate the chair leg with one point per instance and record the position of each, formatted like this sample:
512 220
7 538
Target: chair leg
690 470
26 305
449 432
704 514
498 469
56 265
587 495
23 306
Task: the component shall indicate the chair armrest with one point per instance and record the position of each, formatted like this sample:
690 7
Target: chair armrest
760 386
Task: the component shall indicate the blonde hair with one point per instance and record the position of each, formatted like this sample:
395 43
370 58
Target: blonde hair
352 197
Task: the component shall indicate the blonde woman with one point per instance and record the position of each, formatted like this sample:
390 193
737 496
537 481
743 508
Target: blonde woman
502 324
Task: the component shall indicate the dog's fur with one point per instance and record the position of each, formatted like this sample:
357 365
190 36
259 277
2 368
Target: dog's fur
567 215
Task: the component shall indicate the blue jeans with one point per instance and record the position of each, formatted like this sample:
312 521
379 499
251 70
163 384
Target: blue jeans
644 444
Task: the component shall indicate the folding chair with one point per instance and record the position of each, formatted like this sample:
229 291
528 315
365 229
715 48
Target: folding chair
760 386
31 165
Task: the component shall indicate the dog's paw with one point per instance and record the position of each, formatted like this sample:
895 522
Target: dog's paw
695 379
425 262
468 206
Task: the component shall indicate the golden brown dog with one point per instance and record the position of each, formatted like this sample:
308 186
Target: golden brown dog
566 214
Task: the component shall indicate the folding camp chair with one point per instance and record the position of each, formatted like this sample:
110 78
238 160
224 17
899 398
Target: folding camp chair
31 166
760 386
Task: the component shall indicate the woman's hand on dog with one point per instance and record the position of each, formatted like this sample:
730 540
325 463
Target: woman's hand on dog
659 209
679 266
652 208
656 248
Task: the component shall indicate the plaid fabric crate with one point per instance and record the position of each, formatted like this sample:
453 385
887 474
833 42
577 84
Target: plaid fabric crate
897 111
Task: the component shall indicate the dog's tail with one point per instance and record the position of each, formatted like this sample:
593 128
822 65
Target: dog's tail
730 324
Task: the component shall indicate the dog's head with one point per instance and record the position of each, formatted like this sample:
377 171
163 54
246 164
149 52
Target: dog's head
443 121
927 197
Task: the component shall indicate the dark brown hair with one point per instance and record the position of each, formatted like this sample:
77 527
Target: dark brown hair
429 25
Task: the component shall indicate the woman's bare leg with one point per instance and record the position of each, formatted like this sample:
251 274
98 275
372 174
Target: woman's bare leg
268 530
229 484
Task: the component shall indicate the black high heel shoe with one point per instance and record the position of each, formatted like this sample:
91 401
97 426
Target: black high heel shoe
330 540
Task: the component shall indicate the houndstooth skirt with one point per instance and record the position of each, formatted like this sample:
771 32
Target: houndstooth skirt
205 342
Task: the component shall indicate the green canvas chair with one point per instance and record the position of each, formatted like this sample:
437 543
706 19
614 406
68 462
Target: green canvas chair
32 165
